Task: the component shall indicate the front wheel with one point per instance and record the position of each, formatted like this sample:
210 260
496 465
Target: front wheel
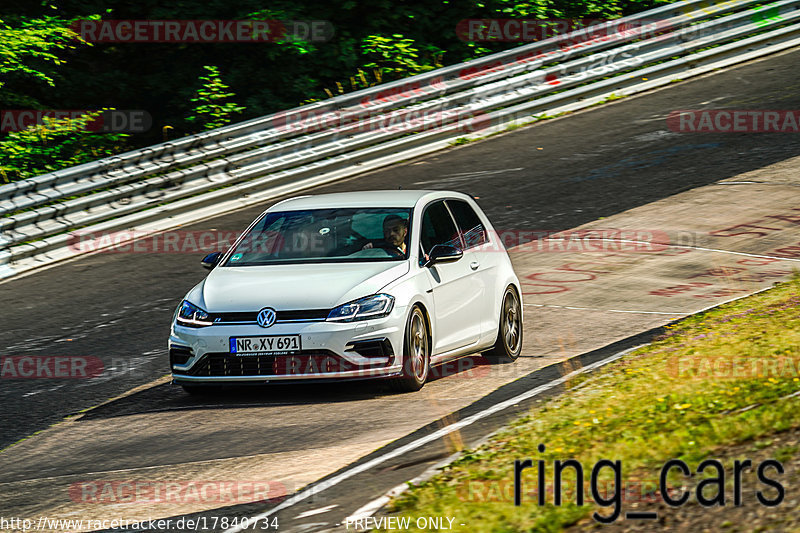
508 345
416 354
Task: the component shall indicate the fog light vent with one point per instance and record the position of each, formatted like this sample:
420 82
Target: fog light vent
178 355
371 348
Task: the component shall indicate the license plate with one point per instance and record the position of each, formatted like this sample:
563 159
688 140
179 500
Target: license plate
273 344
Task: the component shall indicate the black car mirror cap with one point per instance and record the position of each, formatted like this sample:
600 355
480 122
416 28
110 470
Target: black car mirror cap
443 253
211 260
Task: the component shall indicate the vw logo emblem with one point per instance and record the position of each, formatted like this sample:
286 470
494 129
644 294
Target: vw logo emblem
266 317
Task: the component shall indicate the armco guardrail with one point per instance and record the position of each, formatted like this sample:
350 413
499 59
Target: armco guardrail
251 161
237 137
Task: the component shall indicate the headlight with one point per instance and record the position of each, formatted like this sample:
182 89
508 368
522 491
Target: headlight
192 316
363 309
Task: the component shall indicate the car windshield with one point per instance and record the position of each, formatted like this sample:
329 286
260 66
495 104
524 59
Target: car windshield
325 235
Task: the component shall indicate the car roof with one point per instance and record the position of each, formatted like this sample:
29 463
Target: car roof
387 198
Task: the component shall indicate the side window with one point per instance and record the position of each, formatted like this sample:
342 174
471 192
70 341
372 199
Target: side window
471 226
438 227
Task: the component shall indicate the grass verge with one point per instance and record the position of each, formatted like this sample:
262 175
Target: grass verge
713 381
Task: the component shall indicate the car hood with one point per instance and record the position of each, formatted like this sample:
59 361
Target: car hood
292 287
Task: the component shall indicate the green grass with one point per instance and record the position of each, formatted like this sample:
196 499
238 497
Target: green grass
660 402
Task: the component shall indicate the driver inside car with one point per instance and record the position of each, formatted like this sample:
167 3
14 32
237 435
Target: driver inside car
395 229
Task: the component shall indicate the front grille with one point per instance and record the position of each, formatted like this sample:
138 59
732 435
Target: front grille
281 316
232 317
304 314
306 362
178 355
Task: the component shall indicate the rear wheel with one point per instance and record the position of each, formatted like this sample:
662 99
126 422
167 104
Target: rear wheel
416 354
508 345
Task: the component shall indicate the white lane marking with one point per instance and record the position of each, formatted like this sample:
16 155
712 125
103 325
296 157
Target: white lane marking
760 256
431 437
609 310
460 176
372 507
321 510
482 172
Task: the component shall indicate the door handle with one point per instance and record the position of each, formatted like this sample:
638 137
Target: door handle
474 265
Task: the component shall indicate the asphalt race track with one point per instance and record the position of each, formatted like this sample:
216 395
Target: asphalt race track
617 160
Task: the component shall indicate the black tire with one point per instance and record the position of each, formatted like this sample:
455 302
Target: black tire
416 354
508 345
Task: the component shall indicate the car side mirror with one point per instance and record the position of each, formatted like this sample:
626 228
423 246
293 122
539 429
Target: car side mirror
443 253
211 260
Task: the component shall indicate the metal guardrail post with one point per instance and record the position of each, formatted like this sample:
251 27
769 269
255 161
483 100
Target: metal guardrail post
5 258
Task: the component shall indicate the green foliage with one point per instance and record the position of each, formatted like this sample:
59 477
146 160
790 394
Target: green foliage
211 111
55 144
29 51
393 39
44 65
396 57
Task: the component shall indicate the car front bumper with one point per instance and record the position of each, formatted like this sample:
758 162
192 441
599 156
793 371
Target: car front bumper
328 352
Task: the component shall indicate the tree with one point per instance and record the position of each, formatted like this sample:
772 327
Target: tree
26 51
210 110
55 144
397 57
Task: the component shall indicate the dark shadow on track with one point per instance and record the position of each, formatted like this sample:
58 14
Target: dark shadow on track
170 397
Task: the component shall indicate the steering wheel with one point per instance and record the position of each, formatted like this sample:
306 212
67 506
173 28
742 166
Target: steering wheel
392 249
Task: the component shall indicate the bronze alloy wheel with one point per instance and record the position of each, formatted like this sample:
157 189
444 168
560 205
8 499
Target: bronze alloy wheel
416 354
508 345
511 322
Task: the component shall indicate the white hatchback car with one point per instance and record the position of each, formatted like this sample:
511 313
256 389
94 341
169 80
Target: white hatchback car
378 284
